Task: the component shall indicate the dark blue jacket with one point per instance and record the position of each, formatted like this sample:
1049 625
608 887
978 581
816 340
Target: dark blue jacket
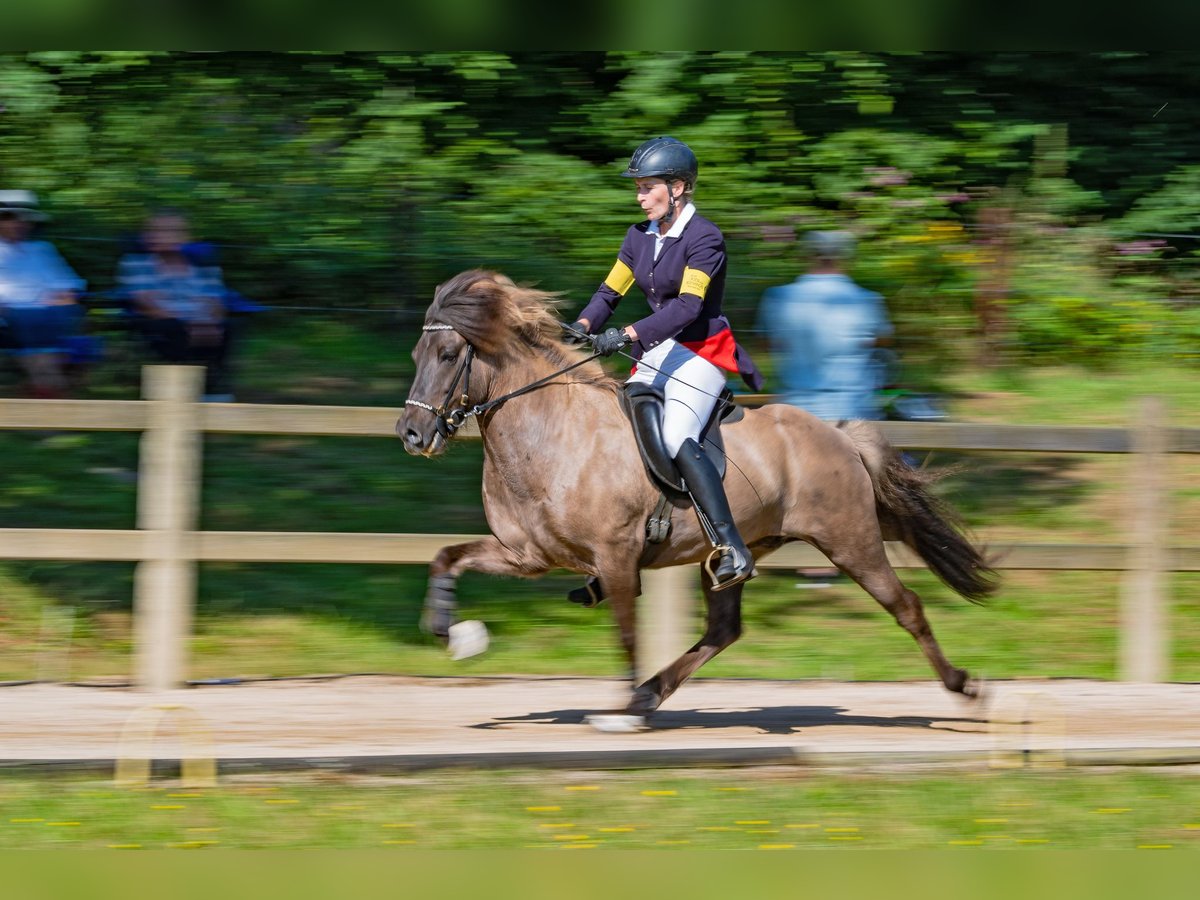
684 288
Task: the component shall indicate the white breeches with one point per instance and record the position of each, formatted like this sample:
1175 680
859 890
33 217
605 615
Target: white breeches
689 396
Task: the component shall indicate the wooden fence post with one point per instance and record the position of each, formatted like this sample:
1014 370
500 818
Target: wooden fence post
1144 649
164 588
664 616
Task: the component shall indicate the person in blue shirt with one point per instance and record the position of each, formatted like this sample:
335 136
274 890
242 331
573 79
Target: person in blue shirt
38 296
824 329
178 301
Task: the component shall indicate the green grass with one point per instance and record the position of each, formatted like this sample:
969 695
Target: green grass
714 809
1070 395
260 619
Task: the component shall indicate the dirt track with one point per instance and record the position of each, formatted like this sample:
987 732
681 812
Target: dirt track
401 717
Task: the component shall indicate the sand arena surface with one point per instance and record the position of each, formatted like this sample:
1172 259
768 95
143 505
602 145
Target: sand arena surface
357 716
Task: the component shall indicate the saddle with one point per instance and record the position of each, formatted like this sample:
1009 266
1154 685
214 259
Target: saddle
643 404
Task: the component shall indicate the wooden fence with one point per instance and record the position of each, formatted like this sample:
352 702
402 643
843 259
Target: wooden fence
167 547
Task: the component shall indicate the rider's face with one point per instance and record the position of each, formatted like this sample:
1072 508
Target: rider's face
654 195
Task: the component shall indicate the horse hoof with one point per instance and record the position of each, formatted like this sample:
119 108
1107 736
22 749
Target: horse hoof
467 639
977 690
617 724
436 623
643 702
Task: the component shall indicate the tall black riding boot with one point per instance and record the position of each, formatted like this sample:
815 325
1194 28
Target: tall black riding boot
707 492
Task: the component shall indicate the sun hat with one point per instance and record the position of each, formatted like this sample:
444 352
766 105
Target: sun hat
24 203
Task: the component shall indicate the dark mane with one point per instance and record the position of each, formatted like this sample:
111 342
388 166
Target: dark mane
502 319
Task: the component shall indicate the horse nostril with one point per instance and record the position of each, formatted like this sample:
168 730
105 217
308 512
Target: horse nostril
412 438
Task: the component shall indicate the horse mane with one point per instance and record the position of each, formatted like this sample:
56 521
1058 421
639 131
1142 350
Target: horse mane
503 319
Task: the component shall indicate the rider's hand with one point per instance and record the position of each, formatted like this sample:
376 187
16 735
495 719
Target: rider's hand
611 341
575 333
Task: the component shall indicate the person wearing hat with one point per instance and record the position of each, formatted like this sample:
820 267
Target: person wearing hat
38 296
824 329
684 346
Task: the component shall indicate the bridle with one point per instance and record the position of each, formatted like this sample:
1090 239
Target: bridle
448 421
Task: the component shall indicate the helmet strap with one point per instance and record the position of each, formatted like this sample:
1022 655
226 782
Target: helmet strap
672 207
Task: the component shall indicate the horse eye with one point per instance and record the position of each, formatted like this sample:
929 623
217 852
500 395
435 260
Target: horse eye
449 356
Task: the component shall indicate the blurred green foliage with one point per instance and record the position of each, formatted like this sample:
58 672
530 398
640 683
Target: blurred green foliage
364 179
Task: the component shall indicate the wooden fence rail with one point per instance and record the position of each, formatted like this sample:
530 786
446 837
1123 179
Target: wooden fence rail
166 544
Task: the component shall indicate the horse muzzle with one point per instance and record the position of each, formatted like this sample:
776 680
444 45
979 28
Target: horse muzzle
421 441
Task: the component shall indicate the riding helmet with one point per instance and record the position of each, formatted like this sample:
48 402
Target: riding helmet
663 157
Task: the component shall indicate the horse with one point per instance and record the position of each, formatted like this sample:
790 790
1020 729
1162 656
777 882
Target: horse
563 487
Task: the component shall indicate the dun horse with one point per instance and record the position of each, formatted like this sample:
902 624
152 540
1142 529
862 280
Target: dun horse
563 486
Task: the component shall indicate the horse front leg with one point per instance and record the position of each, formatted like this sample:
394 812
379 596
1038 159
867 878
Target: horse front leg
622 584
488 556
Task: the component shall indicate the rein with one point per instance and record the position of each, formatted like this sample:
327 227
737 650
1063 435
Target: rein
450 420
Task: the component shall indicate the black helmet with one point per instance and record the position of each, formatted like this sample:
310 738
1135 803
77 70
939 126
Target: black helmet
663 157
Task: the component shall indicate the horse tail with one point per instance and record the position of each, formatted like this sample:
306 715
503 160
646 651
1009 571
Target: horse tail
908 510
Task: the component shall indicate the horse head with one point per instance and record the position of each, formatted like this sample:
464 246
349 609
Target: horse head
478 321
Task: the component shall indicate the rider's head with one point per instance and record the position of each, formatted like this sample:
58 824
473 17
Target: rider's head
665 171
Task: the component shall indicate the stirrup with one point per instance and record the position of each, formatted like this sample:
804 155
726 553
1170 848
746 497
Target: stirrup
717 585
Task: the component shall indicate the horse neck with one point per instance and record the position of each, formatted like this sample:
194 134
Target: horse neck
528 420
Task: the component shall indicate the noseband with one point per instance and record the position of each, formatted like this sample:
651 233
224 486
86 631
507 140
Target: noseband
450 420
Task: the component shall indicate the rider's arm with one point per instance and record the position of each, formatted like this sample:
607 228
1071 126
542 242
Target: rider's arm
620 279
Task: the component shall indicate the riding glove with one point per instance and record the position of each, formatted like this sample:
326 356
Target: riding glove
575 333
611 341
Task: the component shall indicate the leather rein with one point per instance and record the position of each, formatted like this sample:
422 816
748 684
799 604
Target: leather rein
448 420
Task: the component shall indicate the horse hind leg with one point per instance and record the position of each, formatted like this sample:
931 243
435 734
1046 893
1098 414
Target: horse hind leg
723 626
866 562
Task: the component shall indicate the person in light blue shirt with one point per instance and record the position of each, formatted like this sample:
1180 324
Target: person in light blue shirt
824 328
37 296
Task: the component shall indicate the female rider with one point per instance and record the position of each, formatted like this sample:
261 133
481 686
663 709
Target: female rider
684 346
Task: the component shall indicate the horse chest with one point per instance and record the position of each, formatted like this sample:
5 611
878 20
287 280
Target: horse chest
512 478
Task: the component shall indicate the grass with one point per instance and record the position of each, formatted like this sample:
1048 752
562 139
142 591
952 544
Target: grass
71 620
771 809
1042 625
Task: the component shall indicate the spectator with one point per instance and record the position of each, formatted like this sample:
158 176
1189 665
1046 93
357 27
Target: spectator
179 301
38 296
824 329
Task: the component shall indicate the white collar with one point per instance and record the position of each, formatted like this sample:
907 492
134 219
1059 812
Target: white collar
676 229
